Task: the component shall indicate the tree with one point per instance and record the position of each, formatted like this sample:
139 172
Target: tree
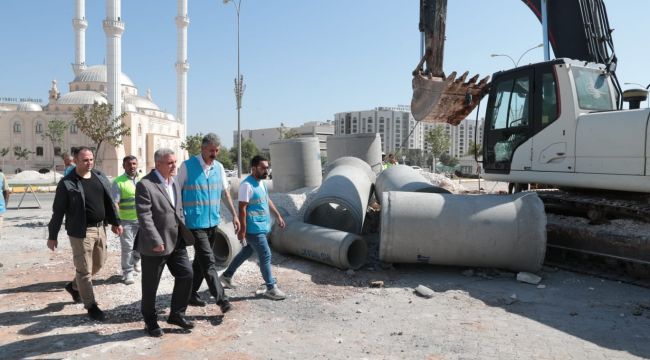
448 160
224 158
98 124
22 153
55 132
192 144
439 142
3 153
287 132
248 150
475 149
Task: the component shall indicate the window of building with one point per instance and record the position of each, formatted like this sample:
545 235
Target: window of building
73 128
17 127
39 127
140 152
139 129
57 151
39 151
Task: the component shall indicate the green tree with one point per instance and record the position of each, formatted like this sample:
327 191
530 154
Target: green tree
192 144
287 132
55 133
22 153
439 142
224 158
97 122
475 149
4 152
248 150
448 160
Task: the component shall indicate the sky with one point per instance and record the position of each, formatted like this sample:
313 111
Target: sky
302 60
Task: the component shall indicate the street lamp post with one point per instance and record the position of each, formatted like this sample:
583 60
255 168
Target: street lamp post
239 90
646 87
516 63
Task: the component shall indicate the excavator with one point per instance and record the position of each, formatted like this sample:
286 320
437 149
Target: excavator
559 122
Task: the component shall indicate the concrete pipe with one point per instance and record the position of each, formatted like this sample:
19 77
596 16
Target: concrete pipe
501 231
234 182
328 246
296 163
366 147
341 201
226 245
404 178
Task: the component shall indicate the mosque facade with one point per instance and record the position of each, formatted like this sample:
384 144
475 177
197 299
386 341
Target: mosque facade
24 121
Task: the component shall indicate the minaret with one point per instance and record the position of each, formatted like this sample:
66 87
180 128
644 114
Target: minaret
114 27
79 24
182 21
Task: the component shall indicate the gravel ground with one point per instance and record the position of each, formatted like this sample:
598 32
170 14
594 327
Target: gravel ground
329 313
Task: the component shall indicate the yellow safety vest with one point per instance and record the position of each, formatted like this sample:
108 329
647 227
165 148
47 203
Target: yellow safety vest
127 197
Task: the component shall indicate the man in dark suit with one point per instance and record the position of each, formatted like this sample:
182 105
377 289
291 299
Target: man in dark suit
161 241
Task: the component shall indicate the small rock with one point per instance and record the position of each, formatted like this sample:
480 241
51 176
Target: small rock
573 313
512 299
528 278
637 312
359 311
541 286
424 291
350 272
376 284
591 288
468 272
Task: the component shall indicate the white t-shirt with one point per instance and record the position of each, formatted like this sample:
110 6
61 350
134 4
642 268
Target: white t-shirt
246 191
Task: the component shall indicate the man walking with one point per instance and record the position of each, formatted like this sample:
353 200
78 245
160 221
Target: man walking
254 204
68 162
84 198
124 198
161 241
203 181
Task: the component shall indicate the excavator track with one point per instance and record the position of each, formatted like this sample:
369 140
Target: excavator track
611 228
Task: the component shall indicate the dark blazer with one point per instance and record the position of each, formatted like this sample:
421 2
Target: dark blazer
71 202
160 222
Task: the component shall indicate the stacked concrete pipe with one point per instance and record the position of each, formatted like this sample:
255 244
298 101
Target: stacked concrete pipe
366 147
333 247
226 245
296 163
404 178
501 231
341 201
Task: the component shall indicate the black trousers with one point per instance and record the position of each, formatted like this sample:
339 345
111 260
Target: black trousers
179 266
205 265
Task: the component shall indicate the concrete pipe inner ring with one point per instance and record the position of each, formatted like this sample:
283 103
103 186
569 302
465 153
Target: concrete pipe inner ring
333 215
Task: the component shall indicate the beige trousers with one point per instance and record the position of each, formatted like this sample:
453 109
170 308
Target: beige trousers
88 255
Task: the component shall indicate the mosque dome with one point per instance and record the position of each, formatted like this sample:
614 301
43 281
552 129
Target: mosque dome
82 98
29 106
97 73
140 102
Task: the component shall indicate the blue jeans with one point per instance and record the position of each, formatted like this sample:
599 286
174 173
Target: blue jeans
258 244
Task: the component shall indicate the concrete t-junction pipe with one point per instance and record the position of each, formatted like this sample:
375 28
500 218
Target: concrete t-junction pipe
333 247
404 178
501 231
341 201
226 245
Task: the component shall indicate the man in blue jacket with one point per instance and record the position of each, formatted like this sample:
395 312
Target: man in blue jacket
203 182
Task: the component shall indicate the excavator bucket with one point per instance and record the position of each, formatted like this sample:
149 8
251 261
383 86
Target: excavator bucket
446 99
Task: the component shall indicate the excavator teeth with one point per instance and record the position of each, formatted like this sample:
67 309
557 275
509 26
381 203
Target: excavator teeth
483 81
451 77
462 78
473 79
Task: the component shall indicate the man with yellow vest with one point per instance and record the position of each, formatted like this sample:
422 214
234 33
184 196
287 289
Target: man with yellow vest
204 185
124 197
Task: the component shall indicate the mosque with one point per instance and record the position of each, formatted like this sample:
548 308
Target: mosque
23 121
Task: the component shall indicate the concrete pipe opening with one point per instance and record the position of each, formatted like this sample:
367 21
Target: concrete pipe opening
226 245
333 215
357 253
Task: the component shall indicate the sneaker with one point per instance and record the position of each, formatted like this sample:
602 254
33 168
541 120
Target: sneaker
128 278
74 293
274 293
96 314
227 282
137 267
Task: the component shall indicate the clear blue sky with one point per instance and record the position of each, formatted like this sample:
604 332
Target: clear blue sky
302 60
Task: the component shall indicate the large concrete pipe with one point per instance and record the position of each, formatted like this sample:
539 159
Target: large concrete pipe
404 178
501 231
366 147
296 163
226 245
333 247
341 201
